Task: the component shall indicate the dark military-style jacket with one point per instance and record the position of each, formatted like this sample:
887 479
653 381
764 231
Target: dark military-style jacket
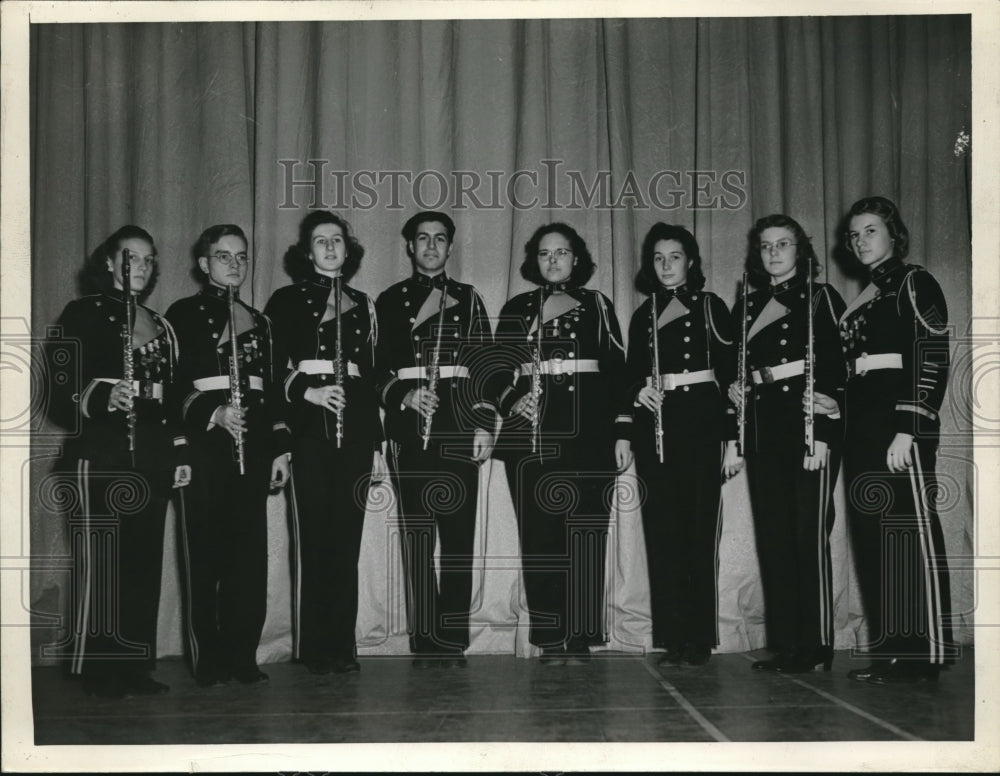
305 325
89 353
777 327
694 335
202 324
579 408
902 312
407 314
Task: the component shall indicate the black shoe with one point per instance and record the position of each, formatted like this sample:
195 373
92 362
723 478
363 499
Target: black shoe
345 665
553 656
674 656
906 672
143 684
320 666
105 687
210 679
804 661
696 654
577 653
770 664
877 666
249 675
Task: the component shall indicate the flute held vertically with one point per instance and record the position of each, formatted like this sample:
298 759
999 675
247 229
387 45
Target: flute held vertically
338 359
434 372
810 436
741 371
128 364
235 384
658 428
536 376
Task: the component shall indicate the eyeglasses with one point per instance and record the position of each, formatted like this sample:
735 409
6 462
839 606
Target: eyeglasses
227 258
559 253
778 246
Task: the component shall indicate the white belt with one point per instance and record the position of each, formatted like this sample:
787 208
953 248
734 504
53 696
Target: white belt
320 366
221 383
674 380
771 374
143 388
420 372
877 361
559 366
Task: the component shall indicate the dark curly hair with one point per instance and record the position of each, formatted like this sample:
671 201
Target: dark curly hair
582 270
297 262
805 254
96 277
886 210
646 280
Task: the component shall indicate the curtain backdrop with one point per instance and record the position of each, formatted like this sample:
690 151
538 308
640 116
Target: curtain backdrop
609 125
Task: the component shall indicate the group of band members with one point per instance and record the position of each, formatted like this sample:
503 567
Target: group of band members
219 401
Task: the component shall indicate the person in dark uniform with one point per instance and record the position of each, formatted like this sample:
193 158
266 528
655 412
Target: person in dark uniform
121 478
681 515
336 430
224 516
895 338
562 442
440 432
791 491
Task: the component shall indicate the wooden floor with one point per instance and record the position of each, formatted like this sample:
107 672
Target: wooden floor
502 698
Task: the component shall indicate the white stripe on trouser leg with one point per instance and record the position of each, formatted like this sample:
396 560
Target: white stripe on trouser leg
297 572
83 603
718 539
934 625
192 638
822 551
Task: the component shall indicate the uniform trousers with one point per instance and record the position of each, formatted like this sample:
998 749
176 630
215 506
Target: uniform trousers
330 488
682 521
562 518
116 539
793 517
437 501
899 552
224 555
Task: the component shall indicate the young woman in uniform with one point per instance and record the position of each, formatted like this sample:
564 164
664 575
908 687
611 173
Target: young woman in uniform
678 438
791 487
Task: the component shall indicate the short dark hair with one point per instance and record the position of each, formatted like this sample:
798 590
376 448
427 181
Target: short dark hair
297 262
646 280
96 276
886 210
582 270
805 254
409 230
207 239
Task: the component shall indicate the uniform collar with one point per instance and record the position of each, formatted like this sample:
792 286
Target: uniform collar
793 282
323 281
426 281
883 273
219 293
669 293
